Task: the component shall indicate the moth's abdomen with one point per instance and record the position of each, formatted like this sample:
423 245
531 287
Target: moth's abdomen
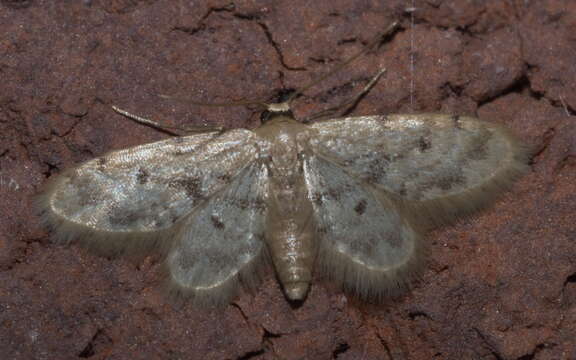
292 248
290 227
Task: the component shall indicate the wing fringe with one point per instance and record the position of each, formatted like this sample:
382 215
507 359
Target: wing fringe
246 280
374 285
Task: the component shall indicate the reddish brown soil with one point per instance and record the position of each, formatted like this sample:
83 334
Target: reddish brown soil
499 286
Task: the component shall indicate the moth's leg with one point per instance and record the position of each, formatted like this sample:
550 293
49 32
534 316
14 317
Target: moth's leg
166 128
347 105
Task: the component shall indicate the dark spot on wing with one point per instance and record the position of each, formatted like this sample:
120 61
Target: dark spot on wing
360 208
377 168
225 178
218 224
322 230
333 193
192 186
424 144
449 182
317 199
259 204
374 176
142 176
241 203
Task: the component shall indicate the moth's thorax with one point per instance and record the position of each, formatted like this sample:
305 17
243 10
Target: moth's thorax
282 140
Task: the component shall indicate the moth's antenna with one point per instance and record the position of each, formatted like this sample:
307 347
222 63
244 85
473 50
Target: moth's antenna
192 129
348 104
230 103
166 128
377 39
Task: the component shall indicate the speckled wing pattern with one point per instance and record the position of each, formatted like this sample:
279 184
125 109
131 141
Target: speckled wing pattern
222 241
439 166
366 243
133 199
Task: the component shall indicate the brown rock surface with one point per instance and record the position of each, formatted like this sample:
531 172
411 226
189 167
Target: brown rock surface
499 286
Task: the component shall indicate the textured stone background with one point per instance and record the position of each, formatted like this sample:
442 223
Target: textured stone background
499 286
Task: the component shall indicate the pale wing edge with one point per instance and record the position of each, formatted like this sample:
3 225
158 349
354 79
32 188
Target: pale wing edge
246 280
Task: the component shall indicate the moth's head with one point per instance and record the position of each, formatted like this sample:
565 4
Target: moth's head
278 105
276 110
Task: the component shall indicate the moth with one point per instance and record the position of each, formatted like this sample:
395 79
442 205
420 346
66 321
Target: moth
348 197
